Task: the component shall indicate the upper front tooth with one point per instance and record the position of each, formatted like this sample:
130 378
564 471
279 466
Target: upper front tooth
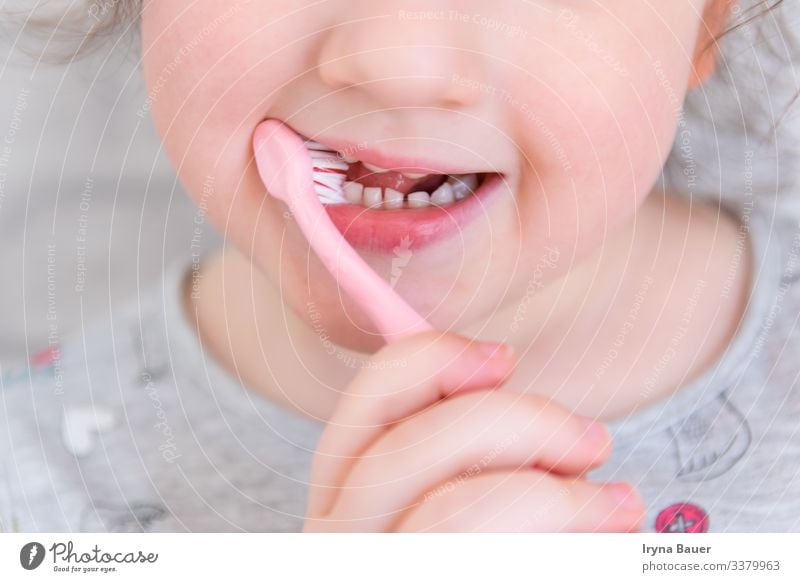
348 159
414 176
376 169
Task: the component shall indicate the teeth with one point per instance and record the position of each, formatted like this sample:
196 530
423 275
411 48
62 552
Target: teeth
353 192
330 171
332 189
373 197
443 195
393 199
463 185
419 200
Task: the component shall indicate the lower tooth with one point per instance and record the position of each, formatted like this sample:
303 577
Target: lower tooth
392 199
373 197
443 195
419 200
353 192
454 189
463 185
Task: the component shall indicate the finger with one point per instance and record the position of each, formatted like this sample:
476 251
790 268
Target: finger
434 366
527 501
461 437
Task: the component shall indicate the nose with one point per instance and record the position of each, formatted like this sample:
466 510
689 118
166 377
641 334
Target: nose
400 62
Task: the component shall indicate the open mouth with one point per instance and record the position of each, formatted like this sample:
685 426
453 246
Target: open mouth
404 203
341 179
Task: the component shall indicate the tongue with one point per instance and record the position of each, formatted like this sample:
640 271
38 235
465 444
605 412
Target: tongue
394 180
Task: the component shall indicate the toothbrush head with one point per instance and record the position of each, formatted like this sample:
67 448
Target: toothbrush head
329 172
282 160
285 154
293 172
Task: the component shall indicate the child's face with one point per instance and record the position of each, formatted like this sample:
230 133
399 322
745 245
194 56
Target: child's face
574 103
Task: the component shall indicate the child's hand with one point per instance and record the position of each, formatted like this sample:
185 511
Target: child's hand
422 441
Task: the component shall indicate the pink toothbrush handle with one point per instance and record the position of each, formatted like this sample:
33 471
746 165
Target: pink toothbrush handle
285 168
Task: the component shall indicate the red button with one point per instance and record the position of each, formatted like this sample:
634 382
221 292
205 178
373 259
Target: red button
682 518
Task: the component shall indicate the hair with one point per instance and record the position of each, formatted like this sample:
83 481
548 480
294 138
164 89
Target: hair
77 31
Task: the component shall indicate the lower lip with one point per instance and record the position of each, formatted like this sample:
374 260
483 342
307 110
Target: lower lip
414 228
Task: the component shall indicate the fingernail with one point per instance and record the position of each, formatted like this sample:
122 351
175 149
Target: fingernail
495 350
625 496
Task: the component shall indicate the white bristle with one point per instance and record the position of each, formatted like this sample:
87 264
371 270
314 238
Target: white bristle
330 164
329 183
331 197
330 172
319 155
312 145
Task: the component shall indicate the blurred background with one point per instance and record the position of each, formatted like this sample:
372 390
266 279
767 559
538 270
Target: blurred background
91 211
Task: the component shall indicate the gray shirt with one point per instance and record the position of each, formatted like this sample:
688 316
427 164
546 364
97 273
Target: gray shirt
132 427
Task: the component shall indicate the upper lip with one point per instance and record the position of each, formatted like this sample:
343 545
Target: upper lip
409 164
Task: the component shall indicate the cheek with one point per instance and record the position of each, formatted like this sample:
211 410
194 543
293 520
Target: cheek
196 80
211 68
598 124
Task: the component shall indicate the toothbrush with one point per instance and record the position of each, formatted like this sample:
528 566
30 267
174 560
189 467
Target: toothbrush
300 173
